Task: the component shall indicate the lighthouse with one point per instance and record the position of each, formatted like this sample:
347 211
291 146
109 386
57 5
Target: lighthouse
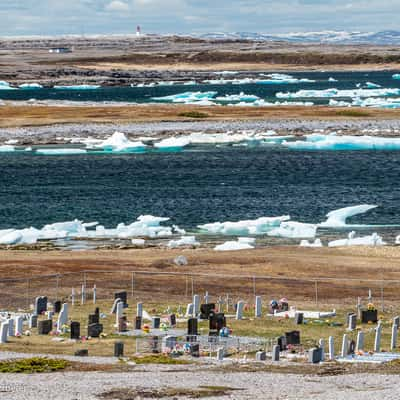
138 30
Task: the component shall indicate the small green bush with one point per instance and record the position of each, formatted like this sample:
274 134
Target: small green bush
352 113
32 365
158 359
194 114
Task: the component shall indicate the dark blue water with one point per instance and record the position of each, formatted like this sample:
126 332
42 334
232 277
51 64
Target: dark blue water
197 186
346 80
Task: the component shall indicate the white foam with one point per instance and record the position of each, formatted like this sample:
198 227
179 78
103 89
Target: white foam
6 148
30 86
6 86
189 98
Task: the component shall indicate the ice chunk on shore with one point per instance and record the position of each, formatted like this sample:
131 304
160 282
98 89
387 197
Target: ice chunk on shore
233 246
294 230
172 143
371 240
183 241
119 142
6 86
306 243
247 227
77 87
30 86
334 142
6 148
60 152
338 218
328 93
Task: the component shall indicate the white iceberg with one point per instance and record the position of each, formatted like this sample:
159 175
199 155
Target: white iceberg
183 241
294 230
76 87
188 97
335 142
258 226
30 86
238 97
6 86
233 246
173 143
372 85
338 218
371 240
6 148
138 242
316 243
118 142
331 79
60 152
396 76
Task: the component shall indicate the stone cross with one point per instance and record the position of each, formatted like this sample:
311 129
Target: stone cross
239 310
331 345
258 307
360 341
378 335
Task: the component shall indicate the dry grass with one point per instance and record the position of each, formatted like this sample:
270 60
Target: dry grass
15 116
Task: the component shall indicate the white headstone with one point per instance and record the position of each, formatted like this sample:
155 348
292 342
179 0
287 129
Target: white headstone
18 325
119 312
239 309
360 341
258 307
62 317
331 345
114 306
206 298
4 332
196 305
345 346
139 310
83 294
352 322
189 310
322 347
378 335
73 296
94 294
393 341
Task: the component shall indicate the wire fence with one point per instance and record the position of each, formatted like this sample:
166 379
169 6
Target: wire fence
179 288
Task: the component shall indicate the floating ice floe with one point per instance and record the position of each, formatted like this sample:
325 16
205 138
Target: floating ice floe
6 86
238 97
77 87
258 226
6 148
338 218
118 142
372 85
174 143
183 241
60 152
371 240
294 230
396 76
316 243
282 79
233 246
331 79
30 86
188 97
328 93
335 142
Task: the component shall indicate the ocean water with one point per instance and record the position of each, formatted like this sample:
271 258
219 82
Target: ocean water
198 185
345 80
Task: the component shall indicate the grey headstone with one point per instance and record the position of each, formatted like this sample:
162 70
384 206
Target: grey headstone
114 306
11 327
139 310
40 305
196 305
378 335
393 340
261 356
169 342
345 346
220 354
258 307
94 330
331 345
4 332
360 341
239 310
155 323
33 320
275 352
352 324
118 349
314 355
18 325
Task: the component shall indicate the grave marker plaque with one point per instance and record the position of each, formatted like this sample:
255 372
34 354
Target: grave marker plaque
368 316
293 337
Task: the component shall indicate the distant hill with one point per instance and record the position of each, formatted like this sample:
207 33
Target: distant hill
336 37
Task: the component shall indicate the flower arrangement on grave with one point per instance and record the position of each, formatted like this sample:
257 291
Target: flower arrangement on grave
371 307
164 327
103 335
146 328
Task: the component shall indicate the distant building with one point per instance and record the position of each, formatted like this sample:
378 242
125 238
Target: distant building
138 30
59 50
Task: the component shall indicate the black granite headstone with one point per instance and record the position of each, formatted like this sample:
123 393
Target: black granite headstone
368 316
40 305
75 330
138 323
97 311
192 327
123 296
206 309
45 326
94 330
93 319
195 350
118 349
217 321
155 324
293 337
57 306
172 320
298 318
282 343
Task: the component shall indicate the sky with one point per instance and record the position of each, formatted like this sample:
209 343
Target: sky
51 17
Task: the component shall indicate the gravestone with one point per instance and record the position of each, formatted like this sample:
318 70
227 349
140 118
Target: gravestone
4 332
49 314
396 321
123 296
220 354
83 294
172 320
155 323
293 337
154 344
206 310
314 355
258 307
282 343
298 318
393 340
97 311
189 310
119 312
322 347
169 342
261 356
331 348
122 324
72 296
345 346
378 335
93 319
195 350
94 294
217 322
206 298
114 306
18 325
62 317
75 330
360 341
192 327
196 305
45 327
275 353
139 310
118 349
368 316
33 320
138 323
239 310
40 305
82 353
352 322
57 306
95 330
11 327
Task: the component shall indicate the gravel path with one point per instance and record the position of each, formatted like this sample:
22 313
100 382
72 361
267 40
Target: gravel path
85 386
